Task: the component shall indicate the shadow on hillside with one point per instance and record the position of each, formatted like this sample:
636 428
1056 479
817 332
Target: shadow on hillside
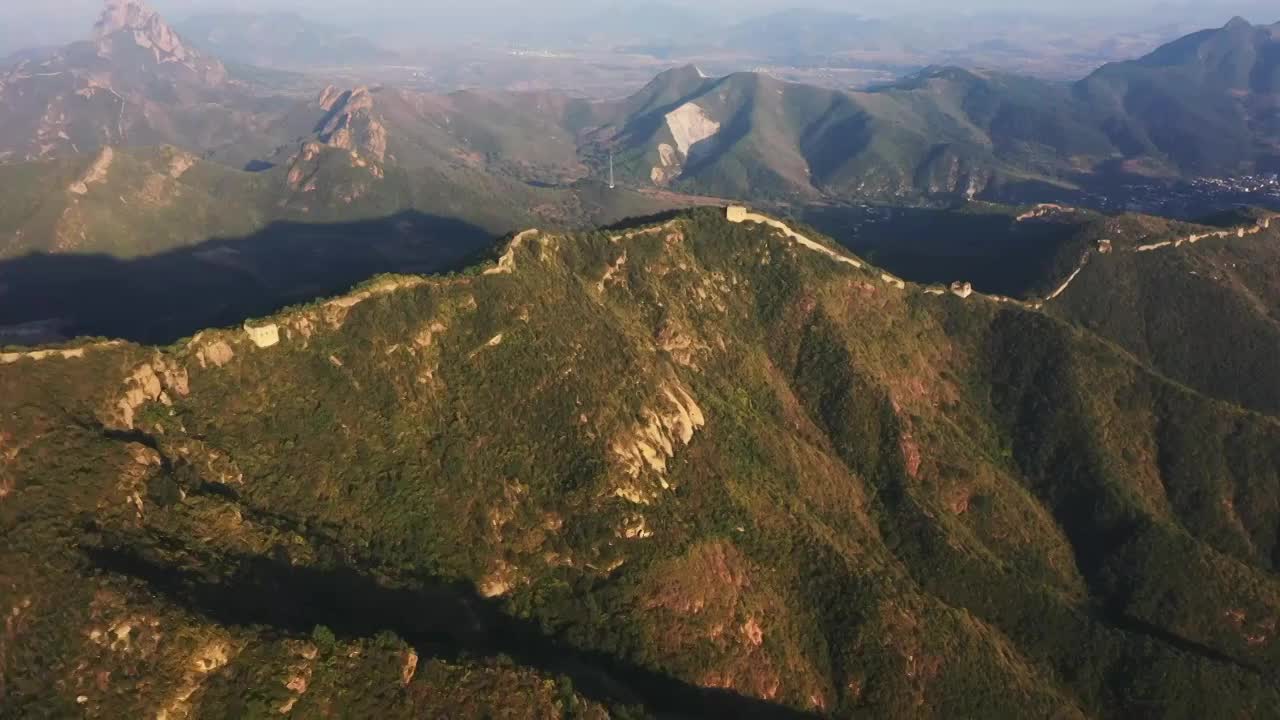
439 618
223 281
933 245
640 221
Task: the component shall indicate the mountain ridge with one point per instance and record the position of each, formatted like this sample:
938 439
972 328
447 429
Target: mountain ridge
906 507
949 131
1187 109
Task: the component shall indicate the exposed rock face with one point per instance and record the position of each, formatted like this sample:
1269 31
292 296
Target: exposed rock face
215 354
204 661
180 164
670 425
150 382
329 97
690 126
144 23
668 167
264 336
135 21
135 78
693 132
96 173
352 124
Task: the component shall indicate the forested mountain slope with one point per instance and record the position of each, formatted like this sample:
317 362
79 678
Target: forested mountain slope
690 469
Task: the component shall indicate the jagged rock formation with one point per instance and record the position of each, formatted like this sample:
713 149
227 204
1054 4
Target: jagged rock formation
134 83
130 26
351 123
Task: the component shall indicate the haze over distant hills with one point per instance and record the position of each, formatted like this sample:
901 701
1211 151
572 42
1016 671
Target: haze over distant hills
1199 106
282 39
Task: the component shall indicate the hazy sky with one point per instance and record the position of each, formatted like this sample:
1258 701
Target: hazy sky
37 22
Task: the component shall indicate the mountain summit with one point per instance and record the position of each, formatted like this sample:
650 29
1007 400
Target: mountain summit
129 24
133 81
126 15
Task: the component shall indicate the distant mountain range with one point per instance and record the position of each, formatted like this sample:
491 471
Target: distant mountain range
281 40
1207 102
136 82
1203 105
802 33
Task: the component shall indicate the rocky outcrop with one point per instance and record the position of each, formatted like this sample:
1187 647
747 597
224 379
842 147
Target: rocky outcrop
690 127
352 124
133 21
150 382
207 659
95 174
264 336
215 354
507 262
180 163
671 420
669 166
694 134
329 98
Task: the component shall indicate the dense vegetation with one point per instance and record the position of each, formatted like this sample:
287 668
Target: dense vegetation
694 471
163 244
1206 314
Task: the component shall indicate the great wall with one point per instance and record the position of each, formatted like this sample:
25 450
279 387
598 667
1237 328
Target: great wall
217 347
70 353
739 214
1106 246
1263 224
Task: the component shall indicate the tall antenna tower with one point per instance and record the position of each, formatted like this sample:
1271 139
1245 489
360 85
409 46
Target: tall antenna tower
612 185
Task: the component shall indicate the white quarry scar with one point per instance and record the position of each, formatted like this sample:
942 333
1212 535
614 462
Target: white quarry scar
689 126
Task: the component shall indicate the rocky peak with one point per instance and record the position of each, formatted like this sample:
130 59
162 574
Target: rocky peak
351 123
129 26
146 26
122 14
1238 23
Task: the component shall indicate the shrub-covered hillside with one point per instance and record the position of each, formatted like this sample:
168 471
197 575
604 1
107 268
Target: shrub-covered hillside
692 469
